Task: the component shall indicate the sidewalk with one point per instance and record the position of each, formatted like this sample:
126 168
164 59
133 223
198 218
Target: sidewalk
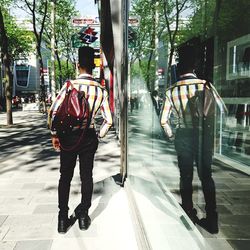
29 172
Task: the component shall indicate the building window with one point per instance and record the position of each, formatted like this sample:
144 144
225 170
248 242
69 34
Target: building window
238 58
22 75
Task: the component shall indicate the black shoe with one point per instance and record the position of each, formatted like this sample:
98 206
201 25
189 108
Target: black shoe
84 220
210 224
64 224
192 214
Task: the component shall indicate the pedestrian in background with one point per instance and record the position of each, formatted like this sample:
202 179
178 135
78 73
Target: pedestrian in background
97 98
194 137
156 101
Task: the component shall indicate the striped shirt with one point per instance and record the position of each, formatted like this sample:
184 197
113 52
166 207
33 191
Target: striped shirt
177 99
96 96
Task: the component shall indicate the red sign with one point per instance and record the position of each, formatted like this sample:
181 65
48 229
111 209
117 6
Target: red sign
90 31
83 21
160 71
133 21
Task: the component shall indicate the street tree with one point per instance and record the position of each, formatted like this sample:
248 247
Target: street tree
203 20
64 31
7 64
15 43
174 21
65 10
159 20
38 11
143 46
67 70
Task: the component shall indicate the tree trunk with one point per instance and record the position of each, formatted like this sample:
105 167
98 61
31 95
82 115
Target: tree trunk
9 76
60 69
42 82
32 8
170 58
149 86
152 44
216 16
67 67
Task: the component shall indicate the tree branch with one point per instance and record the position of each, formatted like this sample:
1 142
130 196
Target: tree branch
43 19
167 20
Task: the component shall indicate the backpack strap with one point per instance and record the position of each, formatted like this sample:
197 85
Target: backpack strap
93 108
69 84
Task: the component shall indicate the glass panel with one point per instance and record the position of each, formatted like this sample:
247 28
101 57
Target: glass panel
161 180
154 175
236 134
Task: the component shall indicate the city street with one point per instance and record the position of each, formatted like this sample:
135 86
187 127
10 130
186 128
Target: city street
170 79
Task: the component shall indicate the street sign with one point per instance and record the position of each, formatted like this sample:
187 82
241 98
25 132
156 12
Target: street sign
97 62
133 21
88 35
85 21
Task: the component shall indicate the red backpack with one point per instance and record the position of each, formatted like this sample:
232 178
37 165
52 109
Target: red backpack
72 115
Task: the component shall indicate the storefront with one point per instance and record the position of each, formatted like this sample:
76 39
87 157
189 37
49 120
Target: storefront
232 78
152 167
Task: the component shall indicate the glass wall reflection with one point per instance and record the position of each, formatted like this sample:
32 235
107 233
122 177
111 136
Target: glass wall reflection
153 170
154 175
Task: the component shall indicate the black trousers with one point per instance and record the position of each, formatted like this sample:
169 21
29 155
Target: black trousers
196 145
86 152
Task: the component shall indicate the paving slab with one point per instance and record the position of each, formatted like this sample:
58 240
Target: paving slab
3 231
46 209
240 244
2 219
219 244
7 245
33 245
30 220
25 232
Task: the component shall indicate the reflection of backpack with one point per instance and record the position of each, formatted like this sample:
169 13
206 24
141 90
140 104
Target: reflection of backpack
73 114
203 103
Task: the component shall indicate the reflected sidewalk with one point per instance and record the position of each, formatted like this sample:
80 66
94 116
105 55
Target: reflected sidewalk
157 175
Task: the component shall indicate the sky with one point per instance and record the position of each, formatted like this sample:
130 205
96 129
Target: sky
87 7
